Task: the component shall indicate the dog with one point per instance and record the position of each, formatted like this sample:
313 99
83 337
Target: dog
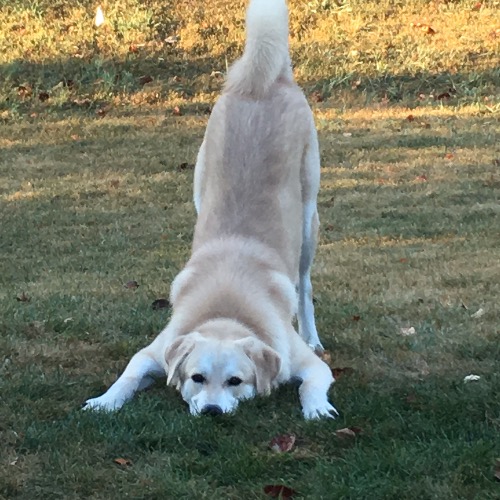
257 174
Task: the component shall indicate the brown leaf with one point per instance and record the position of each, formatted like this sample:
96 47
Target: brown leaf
340 372
114 183
428 30
145 79
282 443
410 118
102 111
316 96
131 284
444 95
23 297
356 317
24 90
345 433
279 491
403 260
43 96
449 156
160 304
177 111
124 462
477 6
185 166
133 48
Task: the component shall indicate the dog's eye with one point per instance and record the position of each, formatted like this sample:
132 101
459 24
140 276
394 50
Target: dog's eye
198 378
234 381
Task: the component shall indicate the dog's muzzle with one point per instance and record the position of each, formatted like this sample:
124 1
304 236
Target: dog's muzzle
211 410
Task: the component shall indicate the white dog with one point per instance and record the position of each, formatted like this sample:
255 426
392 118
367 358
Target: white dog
256 182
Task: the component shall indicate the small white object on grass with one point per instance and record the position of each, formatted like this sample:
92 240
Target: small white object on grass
471 378
99 16
406 332
478 313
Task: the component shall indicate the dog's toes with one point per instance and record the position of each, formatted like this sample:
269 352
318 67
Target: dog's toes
102 404
324 411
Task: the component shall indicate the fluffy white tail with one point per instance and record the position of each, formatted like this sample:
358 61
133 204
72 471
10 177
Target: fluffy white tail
266 56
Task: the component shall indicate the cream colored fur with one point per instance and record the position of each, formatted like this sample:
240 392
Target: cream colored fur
231 334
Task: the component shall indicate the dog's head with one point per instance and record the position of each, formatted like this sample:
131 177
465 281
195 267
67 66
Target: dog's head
215 369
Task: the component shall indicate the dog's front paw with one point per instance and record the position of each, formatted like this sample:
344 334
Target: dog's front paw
322 410
103 403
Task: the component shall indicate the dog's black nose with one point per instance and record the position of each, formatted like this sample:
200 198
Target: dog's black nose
212 410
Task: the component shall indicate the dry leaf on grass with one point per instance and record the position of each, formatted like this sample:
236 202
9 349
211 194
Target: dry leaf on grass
145 79
478 313
124 462
348 432
279 491
132 284
160 304
23 297
282 443
176 111
185 166
340 372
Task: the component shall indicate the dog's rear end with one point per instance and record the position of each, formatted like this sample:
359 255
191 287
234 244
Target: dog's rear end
257 173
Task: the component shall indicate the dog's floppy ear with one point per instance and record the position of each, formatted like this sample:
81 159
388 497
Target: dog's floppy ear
177 352
267 363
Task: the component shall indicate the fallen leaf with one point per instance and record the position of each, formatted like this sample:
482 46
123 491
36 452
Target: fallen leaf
356 317
345 433
403 260
340 372
480 312
24 90
23 297
124 462
282 443
407 332
114 183
177 111
448 156
133 48
160 304
316 96
185 166
131 284
410 118
279 491
428 30
43 96
477 6
171 39
471 378
75 137
102 111
444 95
144 79
99 16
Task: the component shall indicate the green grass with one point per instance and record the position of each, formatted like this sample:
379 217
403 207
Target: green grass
94 193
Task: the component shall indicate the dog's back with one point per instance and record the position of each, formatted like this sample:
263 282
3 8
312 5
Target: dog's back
255 143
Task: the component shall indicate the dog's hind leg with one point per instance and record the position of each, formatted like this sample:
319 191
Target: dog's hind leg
310 178
136 377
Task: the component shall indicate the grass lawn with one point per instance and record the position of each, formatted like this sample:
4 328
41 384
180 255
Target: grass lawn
99 129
